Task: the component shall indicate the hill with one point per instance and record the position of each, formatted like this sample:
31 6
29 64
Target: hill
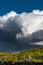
35 55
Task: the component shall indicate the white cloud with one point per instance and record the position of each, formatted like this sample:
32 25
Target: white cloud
31 22
38 43
7 16
26 22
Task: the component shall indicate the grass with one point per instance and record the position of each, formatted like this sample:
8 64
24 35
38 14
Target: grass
36 55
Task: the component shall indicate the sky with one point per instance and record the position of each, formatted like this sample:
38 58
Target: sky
21 25
20 6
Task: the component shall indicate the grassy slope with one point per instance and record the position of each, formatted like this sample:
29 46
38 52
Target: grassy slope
36 55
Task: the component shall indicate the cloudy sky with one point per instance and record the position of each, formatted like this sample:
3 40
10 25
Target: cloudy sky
21 25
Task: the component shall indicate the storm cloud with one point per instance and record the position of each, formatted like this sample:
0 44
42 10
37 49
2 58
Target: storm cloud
18 31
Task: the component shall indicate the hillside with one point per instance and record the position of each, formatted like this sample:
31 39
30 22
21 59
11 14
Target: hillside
35 55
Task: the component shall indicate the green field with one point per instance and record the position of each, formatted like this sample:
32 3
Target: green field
35 55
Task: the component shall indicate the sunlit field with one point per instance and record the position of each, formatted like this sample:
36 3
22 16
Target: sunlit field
31 56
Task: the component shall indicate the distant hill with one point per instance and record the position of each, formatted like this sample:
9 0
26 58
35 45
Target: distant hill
35 55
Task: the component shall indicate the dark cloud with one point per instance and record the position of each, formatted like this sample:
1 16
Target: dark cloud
20 32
